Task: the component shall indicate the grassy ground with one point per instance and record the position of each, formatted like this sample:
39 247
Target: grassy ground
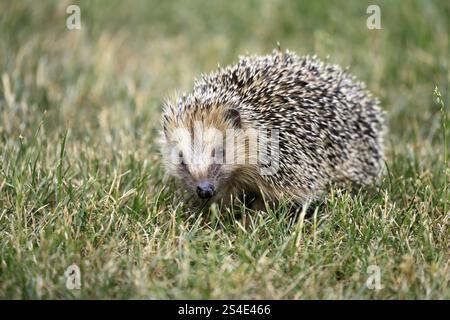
80 175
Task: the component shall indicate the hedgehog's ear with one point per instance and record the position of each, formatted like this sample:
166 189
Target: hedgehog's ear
234 117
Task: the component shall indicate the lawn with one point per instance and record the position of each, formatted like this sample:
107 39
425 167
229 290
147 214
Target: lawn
81 180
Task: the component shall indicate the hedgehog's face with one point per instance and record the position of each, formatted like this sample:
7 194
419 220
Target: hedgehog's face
197 157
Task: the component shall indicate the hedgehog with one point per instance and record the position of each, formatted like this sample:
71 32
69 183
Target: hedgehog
272 127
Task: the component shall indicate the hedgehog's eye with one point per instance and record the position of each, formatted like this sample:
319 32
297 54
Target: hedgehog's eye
181 158
218 152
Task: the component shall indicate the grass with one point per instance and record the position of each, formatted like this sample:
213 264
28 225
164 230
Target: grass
81 178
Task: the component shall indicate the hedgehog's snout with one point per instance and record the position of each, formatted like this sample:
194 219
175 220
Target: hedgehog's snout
205 189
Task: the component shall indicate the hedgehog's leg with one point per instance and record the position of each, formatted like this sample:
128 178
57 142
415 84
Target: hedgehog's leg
258 204
251 200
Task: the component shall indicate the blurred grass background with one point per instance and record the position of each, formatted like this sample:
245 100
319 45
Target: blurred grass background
80 178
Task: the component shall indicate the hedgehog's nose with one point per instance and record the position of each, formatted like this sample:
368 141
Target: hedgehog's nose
205 189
